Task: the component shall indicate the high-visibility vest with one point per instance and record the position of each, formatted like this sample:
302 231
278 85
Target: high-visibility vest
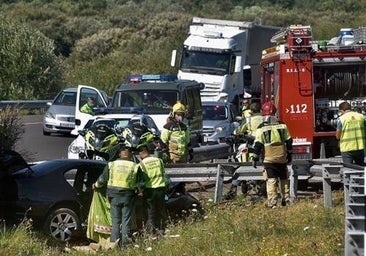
177 137
250 126
153 167
273 137
353 132
87 109
122 174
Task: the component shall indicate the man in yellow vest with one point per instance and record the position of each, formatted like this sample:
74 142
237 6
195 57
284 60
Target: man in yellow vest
120 177
245 111
274 143
88 107
155 183
351 135
175 135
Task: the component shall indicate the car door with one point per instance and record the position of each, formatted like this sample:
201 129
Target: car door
83 93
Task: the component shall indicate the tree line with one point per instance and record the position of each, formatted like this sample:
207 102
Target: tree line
48 45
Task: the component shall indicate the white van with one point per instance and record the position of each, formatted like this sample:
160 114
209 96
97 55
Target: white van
153 95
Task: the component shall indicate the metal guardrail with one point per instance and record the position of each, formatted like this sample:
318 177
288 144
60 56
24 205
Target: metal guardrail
355 207
352 176
25 104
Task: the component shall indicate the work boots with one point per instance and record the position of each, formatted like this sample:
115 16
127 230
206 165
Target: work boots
232 193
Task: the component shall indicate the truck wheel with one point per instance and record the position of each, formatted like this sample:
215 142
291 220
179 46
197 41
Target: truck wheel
62 224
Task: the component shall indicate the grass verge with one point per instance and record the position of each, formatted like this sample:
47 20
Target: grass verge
238 227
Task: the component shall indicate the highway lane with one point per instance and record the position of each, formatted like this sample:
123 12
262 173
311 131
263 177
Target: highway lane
34 146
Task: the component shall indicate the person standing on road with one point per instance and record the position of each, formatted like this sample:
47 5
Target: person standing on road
155 183
176 136
274 143
351 135
121 178
245 111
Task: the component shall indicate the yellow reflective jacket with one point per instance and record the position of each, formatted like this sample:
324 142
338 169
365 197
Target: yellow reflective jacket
353 132
153 168
274 141
176 136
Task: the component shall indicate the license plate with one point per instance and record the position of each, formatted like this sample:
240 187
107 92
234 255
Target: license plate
67 125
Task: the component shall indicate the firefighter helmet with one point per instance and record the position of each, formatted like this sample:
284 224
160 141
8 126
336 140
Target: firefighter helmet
179 107
268 109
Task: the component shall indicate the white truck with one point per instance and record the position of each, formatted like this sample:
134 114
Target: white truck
225 56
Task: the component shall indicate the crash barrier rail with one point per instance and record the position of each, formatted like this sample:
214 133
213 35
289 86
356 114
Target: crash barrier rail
325 170
25 104
322 170
355 205
221 172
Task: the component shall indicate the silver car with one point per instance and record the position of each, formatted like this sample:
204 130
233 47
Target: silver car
60 116
219 121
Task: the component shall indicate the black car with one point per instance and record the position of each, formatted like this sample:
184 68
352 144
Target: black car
57 195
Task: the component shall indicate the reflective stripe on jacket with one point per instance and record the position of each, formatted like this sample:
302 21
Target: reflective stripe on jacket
153 167
250 126
273 137
122 174
353 132
176 136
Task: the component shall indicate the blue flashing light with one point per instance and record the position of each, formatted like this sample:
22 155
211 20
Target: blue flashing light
151 77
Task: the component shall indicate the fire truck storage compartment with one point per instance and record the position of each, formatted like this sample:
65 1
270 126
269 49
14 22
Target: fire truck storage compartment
333 84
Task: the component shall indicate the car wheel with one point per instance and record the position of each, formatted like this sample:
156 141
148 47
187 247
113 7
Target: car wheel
46 133
62 224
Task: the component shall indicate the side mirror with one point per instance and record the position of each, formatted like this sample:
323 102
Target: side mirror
238 65
82 132
239 118
173 59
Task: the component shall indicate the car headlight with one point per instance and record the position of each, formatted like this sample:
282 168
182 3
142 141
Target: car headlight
219 129
74 149
49 115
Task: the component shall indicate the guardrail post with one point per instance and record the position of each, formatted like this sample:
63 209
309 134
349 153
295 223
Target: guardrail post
327 189
219 184
293 184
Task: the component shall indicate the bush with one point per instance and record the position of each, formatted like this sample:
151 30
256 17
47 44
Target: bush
11 128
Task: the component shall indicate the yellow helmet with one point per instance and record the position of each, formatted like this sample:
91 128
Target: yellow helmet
179 107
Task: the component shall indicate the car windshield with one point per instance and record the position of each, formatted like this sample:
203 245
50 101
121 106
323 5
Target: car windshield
66 99
152 101
214 112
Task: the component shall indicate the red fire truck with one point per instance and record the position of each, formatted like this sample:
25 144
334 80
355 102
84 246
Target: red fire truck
307 80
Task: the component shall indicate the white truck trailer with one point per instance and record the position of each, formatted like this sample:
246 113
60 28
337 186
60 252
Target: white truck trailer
225 56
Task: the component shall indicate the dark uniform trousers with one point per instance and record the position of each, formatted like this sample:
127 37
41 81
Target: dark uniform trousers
121 211
154 199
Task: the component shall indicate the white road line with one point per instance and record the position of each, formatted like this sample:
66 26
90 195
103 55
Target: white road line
32 123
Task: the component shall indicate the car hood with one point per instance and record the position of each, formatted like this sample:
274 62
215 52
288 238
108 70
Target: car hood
62 110
214 123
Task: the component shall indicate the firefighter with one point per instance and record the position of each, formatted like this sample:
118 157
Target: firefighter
246 130
274 143
176 136
121 178
250 126
351 135
155 183
245 111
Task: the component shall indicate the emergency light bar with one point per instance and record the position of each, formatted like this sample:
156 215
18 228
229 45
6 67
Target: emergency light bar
152 77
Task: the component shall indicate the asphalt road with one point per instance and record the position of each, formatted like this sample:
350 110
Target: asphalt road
34 146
